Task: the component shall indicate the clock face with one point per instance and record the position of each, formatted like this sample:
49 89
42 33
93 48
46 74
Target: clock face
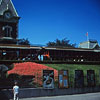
7 15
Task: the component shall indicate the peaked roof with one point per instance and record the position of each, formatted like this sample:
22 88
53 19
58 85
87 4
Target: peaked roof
7 5
91 44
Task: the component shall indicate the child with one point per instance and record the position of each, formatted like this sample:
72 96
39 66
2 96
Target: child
16 91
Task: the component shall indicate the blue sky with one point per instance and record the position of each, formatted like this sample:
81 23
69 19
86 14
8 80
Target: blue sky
46 20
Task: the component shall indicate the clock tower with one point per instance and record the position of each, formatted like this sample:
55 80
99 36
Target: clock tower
8 22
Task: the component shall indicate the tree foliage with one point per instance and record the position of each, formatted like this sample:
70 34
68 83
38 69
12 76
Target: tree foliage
61 43
23 42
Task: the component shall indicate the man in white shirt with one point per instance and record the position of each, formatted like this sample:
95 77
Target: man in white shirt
16 91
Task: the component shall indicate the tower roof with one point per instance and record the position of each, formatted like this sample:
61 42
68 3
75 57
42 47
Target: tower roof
6 5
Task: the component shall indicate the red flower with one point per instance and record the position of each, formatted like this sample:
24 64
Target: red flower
30 68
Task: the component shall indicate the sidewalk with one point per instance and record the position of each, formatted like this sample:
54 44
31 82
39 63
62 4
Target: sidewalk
88 96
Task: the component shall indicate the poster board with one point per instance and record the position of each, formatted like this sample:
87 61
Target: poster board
48 79
90 78
79 79
63 78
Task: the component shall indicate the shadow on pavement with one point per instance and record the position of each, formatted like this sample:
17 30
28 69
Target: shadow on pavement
3 96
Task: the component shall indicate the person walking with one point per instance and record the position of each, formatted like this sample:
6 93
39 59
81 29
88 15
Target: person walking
16 91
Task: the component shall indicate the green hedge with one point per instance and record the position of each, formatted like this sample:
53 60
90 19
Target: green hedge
72 67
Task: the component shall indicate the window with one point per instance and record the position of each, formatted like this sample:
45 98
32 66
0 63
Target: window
7 31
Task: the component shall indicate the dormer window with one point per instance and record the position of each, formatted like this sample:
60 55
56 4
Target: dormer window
7 31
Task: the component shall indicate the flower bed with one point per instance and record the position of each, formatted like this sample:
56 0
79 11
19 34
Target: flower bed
31 68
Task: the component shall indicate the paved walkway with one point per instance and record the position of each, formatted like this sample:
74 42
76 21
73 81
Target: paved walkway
89 96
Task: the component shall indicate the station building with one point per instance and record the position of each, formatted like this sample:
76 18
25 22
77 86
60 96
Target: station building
10 51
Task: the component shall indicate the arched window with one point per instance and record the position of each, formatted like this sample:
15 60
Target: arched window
7 31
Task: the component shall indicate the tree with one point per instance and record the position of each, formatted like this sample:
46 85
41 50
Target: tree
23 42
61 43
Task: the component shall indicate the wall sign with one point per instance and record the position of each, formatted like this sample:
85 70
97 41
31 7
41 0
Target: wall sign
48 78
63 78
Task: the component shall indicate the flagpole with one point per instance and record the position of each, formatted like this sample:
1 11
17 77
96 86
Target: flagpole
87 36
87 39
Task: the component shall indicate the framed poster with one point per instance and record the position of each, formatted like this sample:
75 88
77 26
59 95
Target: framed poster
90 78
79 79
48 79
63 78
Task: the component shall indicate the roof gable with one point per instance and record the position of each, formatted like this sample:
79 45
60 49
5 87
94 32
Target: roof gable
6 5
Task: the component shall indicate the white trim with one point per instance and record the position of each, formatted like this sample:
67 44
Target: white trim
95 45
20 47
88 44
7 27
73 49
8 32
7 6
14 8
7 38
